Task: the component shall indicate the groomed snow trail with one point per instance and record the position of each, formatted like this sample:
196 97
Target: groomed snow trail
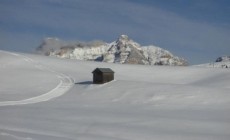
64 85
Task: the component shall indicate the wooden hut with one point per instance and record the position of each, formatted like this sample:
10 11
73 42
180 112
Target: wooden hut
102 75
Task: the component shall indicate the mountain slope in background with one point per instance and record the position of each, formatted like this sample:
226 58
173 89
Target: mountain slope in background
124 51
221 62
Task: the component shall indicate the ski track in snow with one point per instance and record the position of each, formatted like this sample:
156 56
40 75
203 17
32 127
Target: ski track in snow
64 85
7 135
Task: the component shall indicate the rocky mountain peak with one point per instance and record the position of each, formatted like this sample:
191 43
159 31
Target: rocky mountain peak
124 50
122 41
122 38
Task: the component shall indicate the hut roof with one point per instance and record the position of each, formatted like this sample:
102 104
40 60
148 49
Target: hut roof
103 70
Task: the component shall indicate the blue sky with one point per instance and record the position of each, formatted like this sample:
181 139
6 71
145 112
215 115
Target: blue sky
197 30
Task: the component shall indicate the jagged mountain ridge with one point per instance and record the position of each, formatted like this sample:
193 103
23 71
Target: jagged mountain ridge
124 50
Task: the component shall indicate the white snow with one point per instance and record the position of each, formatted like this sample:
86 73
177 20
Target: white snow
224 64
64 85
38 101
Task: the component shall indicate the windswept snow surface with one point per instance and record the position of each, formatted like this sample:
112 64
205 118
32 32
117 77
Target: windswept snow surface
142 103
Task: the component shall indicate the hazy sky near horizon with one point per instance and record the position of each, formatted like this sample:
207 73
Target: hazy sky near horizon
197 30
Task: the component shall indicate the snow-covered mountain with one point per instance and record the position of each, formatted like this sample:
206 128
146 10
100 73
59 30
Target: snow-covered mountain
223 59
221 62
124 50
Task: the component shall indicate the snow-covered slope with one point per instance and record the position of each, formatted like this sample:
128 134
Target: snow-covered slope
221 62
124 51
23 67
223 59
142 103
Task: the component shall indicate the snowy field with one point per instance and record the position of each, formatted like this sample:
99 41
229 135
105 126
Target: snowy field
46 98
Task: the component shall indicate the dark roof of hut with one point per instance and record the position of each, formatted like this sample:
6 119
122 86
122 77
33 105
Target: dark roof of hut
103 70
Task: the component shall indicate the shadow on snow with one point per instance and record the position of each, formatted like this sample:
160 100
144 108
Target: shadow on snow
84 83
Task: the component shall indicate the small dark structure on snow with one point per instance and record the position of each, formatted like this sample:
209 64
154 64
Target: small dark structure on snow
102 75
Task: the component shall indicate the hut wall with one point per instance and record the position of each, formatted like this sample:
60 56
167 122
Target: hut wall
97 78
108 77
